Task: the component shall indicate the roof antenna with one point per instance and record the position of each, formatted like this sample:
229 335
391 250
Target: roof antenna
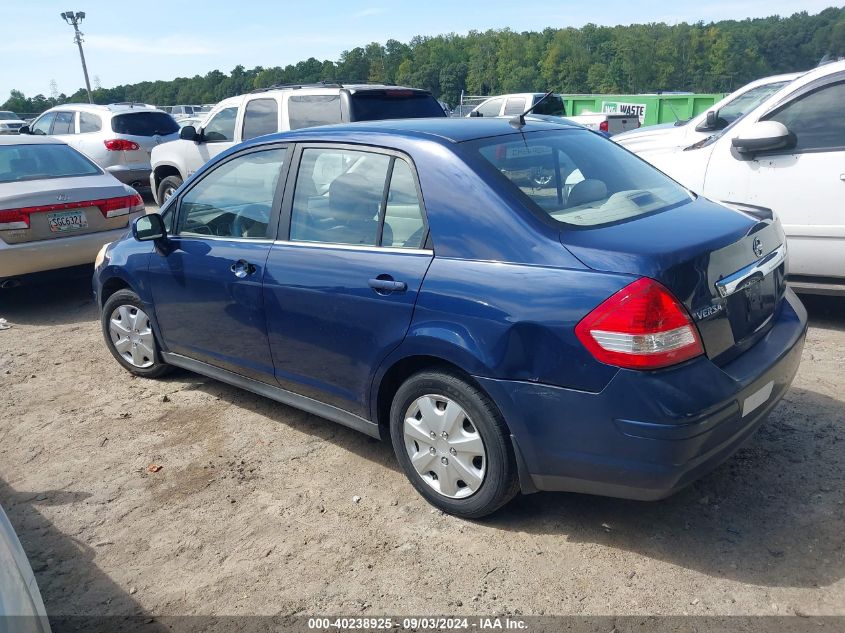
519 121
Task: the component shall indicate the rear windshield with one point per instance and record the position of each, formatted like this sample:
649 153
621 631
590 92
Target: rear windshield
144 124
374 105
577 177
552 104
37 162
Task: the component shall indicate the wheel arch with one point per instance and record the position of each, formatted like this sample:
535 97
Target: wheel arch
162 171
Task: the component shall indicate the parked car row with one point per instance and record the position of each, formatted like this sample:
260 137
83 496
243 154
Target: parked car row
783 153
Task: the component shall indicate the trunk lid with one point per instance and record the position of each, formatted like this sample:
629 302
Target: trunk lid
62 217
726 266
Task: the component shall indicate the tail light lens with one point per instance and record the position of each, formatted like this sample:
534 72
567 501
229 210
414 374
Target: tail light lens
109 207
121 145
603 126
643 326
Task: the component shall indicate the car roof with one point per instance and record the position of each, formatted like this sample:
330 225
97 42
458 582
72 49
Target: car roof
29 139
455 130
114 108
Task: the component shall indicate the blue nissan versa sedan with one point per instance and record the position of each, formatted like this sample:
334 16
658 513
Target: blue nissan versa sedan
598 329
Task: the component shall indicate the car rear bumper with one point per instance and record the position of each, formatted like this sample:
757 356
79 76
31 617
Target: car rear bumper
136 175
18 260
649 434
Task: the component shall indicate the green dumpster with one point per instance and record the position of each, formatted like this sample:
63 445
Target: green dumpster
649 108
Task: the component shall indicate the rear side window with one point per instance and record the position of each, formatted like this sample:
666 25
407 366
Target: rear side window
578 178
815 119
375 105
64 123
313 110
552 105
260 117
144 124
89 122
403 216
36 162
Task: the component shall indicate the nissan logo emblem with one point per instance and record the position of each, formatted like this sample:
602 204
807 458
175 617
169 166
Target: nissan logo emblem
757 245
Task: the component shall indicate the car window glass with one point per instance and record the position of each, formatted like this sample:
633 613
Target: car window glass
313 110
89 122
403 219
748 101
39 161
577 178
42 125
260 117
816 119
338 196
63 123
552 105
144 124
221 127
491 108
515 105
235 199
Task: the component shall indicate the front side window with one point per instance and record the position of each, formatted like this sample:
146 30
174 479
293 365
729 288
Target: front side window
816 119
235 199
313 110
576 177
261 117
43 123
490 108
221 127
63 123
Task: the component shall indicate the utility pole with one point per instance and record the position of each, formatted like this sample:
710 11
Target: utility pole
74 19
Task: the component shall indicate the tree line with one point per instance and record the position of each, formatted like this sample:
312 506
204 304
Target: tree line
711 57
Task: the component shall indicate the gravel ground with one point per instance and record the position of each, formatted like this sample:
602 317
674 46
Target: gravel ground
252 511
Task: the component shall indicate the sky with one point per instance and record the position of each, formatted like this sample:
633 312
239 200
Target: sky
145 40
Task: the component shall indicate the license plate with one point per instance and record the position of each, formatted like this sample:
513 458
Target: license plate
67 221
757 399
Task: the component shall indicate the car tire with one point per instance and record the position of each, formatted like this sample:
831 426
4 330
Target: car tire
130 337
167 187
468 430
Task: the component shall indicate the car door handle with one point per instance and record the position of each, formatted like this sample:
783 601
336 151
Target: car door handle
242 268
386 285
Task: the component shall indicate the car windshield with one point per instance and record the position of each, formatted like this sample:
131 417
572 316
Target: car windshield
374 105
748 101
144 124
579 178
6 114
42 161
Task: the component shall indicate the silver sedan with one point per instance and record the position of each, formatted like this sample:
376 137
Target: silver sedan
57 208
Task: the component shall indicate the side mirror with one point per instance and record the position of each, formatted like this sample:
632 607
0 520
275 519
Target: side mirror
24 129
710 123
763 136
189 133
148 228
475 114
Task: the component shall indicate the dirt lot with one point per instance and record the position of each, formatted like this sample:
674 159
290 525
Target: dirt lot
253 511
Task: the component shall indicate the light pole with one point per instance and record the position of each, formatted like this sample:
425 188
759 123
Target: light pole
74 19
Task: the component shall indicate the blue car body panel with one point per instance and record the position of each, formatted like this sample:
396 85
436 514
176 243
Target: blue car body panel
496 291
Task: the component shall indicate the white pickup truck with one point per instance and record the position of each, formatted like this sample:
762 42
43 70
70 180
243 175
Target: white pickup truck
515 104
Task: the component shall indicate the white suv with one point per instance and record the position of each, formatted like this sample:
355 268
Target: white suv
118 137
787 155
277 109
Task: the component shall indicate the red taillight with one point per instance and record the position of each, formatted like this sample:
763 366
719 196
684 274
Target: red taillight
603 126
110 208
640 327
121 145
